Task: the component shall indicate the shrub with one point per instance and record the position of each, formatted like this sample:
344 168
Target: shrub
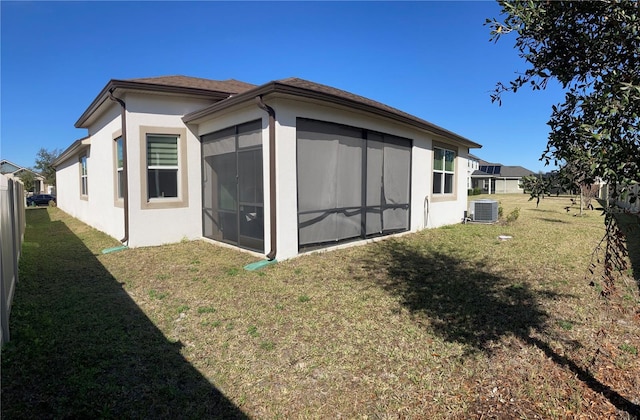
513 216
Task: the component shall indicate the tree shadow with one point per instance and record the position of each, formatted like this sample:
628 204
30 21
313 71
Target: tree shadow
546 219
82 348
465 303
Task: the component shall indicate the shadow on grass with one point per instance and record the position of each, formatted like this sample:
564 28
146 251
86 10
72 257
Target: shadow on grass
467 304
462 300
545 219
81 347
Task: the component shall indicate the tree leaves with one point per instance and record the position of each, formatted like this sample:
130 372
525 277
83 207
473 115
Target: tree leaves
593 50
44 163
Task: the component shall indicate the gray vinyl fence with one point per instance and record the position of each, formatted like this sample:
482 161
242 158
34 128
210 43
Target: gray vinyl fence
12 225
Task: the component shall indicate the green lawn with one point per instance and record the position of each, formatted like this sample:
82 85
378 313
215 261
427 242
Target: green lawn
444 323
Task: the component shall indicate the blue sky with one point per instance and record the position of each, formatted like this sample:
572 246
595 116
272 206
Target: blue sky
430 59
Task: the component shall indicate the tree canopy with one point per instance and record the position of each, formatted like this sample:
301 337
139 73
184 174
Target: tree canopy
28 179
593 50
44 164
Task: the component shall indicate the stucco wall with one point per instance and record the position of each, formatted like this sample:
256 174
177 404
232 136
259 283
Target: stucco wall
97 209
424 213
100 209
508 186
154 226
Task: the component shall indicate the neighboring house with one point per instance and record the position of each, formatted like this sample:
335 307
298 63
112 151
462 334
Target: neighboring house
495 178
280 168
473 164
12 170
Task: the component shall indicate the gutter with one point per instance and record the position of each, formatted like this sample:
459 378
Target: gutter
352 101
125 193
272 174
143 86
70 151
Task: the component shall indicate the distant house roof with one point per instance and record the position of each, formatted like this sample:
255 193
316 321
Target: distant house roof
7 167
303 88
498 170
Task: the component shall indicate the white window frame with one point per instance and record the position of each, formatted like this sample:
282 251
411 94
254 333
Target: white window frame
119 168
84 176
444 172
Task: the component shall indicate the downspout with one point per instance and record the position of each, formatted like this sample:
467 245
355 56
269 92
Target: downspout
125 192
272 174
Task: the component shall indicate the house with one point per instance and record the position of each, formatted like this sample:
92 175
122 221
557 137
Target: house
12 171
496 178
473 164
279 169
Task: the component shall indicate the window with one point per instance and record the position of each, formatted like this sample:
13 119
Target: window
443 170
119 169
84 185
162 166
163 181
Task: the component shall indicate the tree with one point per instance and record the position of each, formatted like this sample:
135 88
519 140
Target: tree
28 179
536 186
593 50
44 164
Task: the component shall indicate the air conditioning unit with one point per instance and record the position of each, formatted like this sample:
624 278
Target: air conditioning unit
485 211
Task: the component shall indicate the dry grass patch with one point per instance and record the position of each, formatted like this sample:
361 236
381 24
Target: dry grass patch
444 323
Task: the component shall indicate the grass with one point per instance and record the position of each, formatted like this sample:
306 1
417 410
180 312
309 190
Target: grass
449 323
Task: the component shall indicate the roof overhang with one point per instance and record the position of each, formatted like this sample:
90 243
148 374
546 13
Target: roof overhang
129 85
19 171
277 87
75 148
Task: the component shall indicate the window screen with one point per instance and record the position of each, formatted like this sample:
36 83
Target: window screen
352 183
233 208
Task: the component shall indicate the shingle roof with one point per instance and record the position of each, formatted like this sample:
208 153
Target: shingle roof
7 167
304 88
229 85
515 171
306 84
229 92
211 89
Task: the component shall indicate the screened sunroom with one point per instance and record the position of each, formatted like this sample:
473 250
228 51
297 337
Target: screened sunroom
352 183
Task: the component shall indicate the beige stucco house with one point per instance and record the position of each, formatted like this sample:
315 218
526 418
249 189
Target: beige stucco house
496 178
279 169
